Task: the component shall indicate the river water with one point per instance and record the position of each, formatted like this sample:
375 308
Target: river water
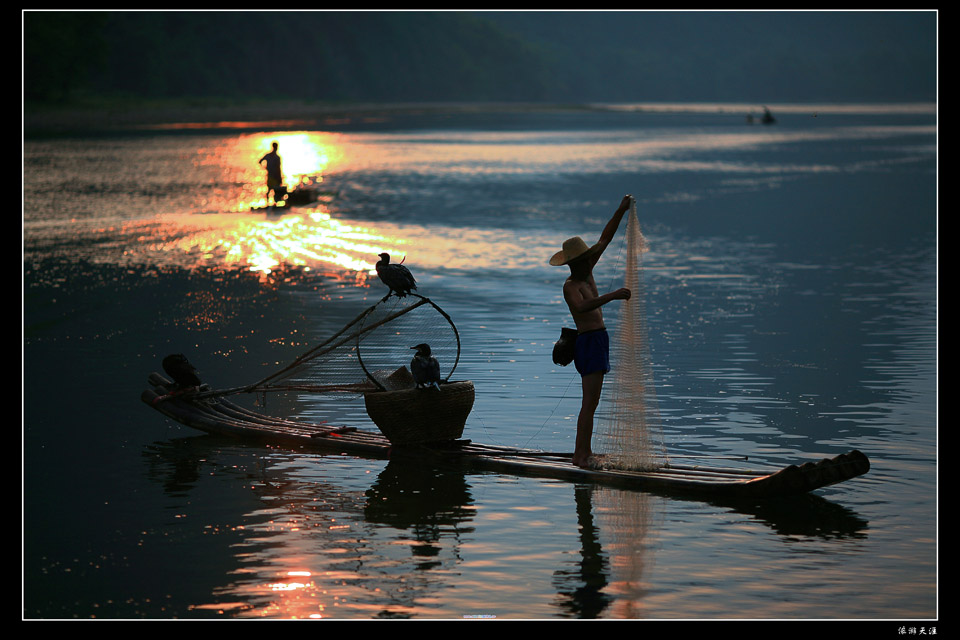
791 292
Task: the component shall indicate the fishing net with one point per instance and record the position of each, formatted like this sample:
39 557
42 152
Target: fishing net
629 433
373 351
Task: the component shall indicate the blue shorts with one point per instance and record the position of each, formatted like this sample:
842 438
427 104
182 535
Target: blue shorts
592 352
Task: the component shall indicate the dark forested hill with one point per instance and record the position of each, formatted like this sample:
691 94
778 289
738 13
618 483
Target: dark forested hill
738 55
479 56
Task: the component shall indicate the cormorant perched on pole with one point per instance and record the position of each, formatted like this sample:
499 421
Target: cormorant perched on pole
425 368
395 276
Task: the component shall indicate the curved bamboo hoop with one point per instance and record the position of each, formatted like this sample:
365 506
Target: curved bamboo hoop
422 301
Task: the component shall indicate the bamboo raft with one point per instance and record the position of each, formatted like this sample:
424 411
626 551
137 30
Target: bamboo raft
220 416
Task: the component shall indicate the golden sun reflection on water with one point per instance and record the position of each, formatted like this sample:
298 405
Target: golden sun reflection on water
316 240
306 156
261 243
303 153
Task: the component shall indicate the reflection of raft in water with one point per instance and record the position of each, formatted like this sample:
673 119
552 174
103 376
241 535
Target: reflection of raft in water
218 415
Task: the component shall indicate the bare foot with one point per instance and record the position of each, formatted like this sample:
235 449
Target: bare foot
582 461
594 461
590 461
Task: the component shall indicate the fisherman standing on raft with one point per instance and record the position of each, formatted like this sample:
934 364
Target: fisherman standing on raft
592 351
274 174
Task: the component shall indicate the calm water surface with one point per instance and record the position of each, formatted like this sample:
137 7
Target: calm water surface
791 287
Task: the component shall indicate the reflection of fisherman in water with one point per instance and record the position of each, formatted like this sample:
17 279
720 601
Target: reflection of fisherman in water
582 587
274 174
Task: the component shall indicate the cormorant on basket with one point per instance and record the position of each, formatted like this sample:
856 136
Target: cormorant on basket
425 368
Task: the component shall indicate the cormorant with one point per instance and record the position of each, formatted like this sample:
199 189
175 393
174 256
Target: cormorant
395 276
183 373
425 368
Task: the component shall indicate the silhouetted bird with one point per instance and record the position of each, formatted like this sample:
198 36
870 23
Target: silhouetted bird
425 368
395 276
183 373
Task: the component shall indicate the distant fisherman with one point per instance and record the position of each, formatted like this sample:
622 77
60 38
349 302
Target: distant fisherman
425 368
592 357
274 173
396 276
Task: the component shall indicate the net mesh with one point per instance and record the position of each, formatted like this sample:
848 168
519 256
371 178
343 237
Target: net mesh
373 351
629 433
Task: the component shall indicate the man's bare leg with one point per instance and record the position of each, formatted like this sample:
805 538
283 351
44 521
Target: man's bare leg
592 386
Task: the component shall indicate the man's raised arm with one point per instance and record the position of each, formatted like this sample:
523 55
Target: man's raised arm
611 229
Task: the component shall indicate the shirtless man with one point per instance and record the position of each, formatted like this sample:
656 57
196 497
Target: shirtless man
593 345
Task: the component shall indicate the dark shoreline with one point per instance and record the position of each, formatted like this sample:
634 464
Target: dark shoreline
117 116
40 120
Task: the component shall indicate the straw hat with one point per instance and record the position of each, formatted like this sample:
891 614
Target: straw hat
573 248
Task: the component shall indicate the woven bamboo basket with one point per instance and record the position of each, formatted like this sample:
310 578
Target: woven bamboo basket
412 416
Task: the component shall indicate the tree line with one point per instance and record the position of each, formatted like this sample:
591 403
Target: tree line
465 56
